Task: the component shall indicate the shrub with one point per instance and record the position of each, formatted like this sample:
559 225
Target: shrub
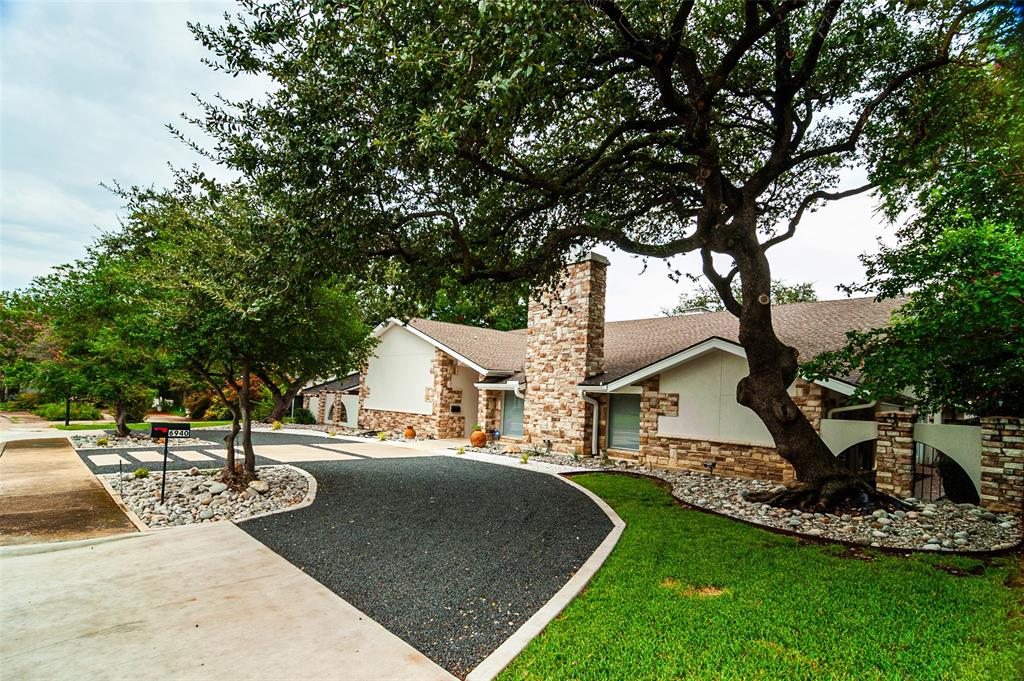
102 441
524 458
460 450
141 473
80 411
382 435
261 410
276 425
217 411
304 416
26 401
197 404
332 433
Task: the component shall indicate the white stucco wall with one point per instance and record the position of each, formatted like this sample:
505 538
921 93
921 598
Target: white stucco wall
464 380
398 374
708 409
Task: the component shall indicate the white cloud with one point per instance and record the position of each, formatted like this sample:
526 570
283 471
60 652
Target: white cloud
87 91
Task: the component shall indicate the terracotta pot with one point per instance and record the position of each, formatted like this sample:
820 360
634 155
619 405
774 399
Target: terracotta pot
478 438
410 432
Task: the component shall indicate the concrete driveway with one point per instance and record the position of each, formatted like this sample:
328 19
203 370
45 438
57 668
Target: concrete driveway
48 494
195 602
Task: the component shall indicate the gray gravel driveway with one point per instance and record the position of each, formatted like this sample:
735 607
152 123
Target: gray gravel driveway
451 555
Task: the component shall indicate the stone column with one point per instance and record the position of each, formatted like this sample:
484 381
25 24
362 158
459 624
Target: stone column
321 406
488 408
1002 463
810 398
447 424
565 346
894 453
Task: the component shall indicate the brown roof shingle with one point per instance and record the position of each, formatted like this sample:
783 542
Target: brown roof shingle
632 345
495 350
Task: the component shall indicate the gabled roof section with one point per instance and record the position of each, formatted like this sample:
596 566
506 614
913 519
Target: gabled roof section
489 351
339 384
812 328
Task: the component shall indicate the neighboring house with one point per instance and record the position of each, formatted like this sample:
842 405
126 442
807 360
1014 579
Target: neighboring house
335 401
661 391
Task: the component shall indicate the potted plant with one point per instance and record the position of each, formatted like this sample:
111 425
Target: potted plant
478 438
410 432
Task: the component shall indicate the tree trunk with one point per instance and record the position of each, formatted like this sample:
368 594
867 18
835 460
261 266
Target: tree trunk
283 402
67 410
230 474
825 483
121 419
244 407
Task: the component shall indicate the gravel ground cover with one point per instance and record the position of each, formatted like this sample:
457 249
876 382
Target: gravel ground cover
449 554
931 526
195 496
138 440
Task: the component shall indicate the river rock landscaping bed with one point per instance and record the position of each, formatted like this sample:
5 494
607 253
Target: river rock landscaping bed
195 496
134 441
933 526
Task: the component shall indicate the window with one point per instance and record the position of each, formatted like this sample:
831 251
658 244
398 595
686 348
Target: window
624 422
512 415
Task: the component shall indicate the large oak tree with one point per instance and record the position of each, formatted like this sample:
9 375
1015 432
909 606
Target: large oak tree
494 140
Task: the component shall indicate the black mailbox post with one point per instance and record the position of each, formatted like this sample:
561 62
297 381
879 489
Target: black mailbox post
168 431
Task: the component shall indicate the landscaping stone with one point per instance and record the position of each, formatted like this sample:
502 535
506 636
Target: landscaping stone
201 499
964 526
138 438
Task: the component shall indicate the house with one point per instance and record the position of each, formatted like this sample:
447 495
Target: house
658 391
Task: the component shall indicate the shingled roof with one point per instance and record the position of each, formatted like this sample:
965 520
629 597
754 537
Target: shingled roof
499 351
632 345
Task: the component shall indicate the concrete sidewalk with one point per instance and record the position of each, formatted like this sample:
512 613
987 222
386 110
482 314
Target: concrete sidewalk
47 494
192 602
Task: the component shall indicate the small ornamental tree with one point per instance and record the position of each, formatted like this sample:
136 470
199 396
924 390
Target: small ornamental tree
100 329
233 300
494 140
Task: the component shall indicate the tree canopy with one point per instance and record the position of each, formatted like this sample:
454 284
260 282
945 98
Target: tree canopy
494 140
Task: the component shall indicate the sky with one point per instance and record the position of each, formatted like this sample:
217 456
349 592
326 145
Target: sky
86 92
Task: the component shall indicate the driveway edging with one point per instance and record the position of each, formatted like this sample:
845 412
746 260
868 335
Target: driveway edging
502 656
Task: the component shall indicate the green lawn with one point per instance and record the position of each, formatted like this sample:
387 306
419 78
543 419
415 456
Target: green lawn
109 425
784 611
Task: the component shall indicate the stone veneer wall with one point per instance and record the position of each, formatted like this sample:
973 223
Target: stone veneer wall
488 408
444 396
565 346
734 459
1002 463
894 453
731 459
440 423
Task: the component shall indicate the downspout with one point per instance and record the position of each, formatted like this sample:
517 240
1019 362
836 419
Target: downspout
517 391
596 422
851 407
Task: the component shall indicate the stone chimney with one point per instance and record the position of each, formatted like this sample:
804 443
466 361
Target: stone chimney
565 346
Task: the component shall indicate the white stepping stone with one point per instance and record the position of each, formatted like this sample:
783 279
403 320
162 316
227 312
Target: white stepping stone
106 459
147 456
189 455
297 453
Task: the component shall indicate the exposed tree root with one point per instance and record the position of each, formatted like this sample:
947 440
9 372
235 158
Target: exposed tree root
236 479
839 492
